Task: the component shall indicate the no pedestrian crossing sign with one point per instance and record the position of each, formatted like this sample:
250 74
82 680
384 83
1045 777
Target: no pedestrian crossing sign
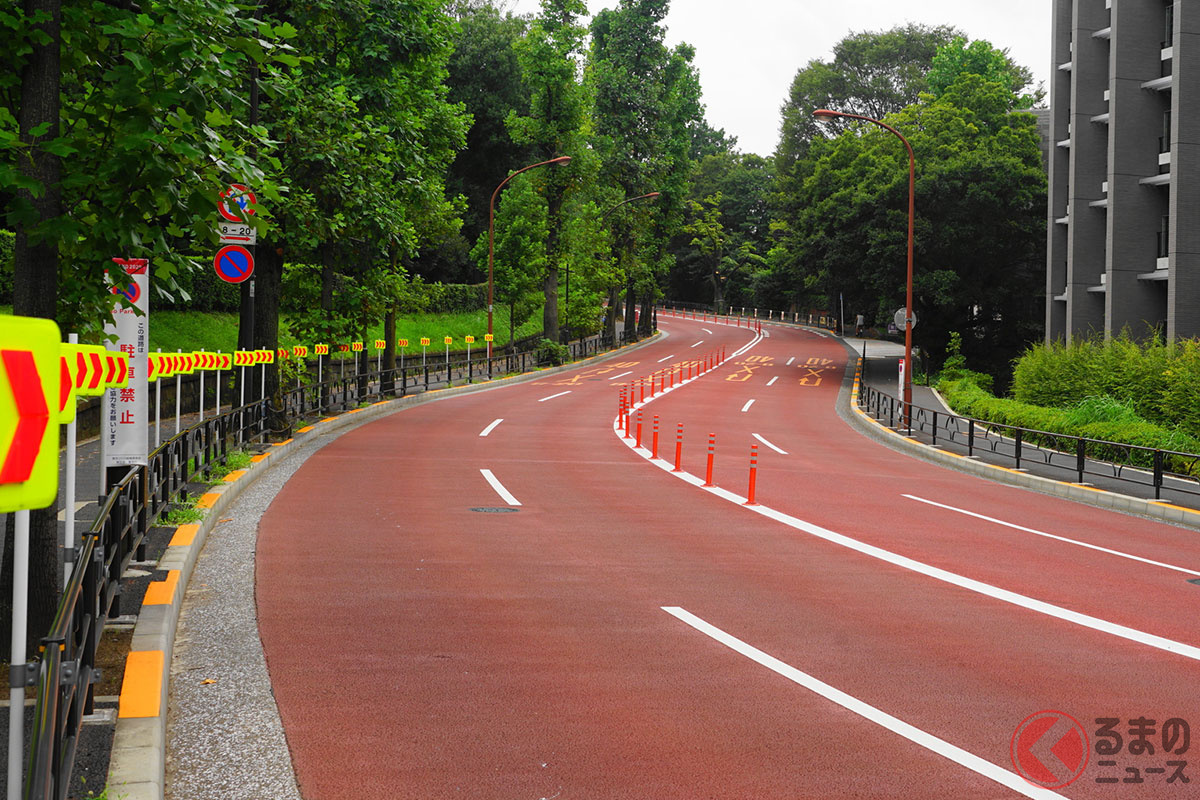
237 198
234 263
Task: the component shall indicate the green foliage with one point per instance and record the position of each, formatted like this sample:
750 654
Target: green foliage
181 515
150 132
1160 381
875 73
954 368
6 265
957 58
552 353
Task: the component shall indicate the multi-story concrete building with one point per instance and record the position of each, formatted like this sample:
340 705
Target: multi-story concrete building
1123 245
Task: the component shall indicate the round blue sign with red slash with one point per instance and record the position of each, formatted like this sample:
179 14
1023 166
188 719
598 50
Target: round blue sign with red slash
234 263
132 292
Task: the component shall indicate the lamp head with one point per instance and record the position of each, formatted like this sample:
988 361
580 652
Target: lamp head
825 113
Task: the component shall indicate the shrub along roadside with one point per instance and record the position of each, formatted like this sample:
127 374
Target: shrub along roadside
1103 418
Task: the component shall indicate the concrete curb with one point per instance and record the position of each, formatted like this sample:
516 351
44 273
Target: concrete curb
1152 509
137 766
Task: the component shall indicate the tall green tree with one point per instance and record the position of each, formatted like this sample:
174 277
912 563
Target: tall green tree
873 73
549 56
114 142
519 258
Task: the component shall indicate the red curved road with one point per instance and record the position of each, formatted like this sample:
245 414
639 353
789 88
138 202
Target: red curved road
877 627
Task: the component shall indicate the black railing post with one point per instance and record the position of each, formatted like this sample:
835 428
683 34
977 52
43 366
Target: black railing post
970 438
1080 456
427 377
1158 474
935 428
1017 438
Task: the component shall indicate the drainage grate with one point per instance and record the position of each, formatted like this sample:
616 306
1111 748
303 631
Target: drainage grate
495 510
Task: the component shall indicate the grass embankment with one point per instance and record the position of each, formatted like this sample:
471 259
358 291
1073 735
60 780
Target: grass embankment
191 330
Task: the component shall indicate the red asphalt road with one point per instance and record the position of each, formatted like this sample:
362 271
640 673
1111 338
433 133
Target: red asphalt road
421 649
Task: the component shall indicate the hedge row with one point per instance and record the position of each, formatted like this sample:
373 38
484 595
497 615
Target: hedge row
1102 418
1160 382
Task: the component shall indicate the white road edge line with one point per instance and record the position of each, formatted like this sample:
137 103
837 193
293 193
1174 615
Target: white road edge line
868 712
706 330
904 562
768 444
505 494
772 381
1014 526
622 375
697 344
749 403
668 358
491 427
551 397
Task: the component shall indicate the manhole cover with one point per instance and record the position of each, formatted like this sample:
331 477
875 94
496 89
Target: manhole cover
495 510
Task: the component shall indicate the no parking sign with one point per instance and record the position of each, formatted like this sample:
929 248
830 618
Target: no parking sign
234 263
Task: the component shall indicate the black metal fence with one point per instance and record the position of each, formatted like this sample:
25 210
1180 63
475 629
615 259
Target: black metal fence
66 670
1083 460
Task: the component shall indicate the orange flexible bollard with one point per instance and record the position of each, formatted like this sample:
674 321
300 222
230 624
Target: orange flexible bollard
654 440
639 428
753 474
679 449
712 448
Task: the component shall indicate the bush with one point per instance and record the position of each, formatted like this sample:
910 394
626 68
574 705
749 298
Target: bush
6 266
552 353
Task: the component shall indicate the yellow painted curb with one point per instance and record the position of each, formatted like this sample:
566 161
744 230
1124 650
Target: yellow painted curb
207 500
185 534
141 689
162 593
233 476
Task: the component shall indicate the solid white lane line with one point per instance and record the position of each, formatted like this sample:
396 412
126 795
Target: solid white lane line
868 712
505 494
772 381
749 403
491 427
768 444
954 579
706 330
1014 526
789 361
697 344
622 375
668 358
551 397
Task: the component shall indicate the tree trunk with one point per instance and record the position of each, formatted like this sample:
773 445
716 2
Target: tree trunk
388 384
630 311
646 322
718 296
610 314
268 272
550 309
35 294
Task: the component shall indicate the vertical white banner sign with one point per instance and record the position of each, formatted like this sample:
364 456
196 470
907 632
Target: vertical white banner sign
125 427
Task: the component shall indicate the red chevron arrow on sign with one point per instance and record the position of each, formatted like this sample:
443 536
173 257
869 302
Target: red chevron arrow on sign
95 371
32 415
111 364
122 369
64 383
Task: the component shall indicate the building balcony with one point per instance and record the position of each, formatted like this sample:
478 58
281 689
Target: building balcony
1157 180
1159 84
1103 33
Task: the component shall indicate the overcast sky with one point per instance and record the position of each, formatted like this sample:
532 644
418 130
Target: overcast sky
748 51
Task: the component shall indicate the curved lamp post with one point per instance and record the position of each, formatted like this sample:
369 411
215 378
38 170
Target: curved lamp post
492 232
908 302
604 216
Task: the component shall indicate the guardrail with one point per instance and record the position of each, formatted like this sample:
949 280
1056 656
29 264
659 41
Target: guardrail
66 670
1072 456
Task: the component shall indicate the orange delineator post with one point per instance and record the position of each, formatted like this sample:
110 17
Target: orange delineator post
753 474
712 447
642 388
639 428
654 440
679 449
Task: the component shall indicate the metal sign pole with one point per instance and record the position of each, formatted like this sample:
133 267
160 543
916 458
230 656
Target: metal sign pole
16 694
69 490
201 403
157 406
178 392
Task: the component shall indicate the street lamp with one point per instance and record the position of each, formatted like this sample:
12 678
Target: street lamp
492 232
908 302
604 216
